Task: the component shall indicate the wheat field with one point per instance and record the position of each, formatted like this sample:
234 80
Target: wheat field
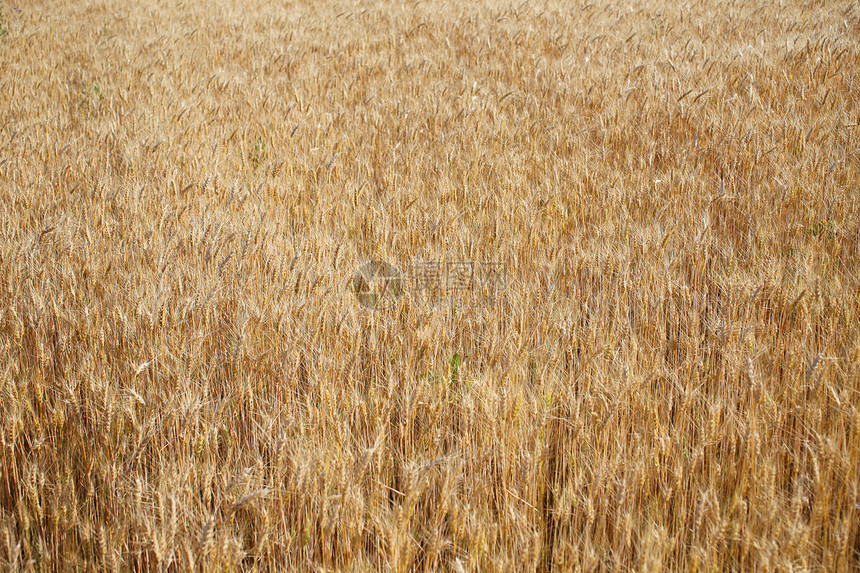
667 378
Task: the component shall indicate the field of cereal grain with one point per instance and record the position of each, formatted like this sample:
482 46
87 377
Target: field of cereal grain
667 378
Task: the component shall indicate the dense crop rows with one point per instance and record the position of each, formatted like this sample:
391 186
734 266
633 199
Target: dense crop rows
668 379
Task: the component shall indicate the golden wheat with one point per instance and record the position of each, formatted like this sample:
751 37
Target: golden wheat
670 378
